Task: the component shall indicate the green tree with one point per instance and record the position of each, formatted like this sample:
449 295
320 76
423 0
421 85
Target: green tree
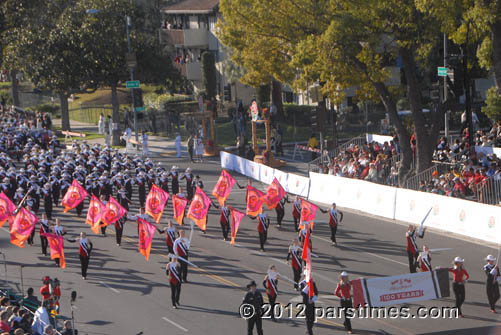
209 78
232 72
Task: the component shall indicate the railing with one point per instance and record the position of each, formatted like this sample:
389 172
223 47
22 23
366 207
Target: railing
89 114
414 182
490 191
354 141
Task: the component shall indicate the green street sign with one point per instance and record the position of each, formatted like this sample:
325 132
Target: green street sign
132 84
140 109
442 72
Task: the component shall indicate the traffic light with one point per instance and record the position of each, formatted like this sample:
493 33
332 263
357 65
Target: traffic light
138 97
227 92
435 92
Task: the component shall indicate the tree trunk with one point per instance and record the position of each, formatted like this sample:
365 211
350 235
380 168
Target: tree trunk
496 53
276 98
115 116
65 115
235 84
403 134
14 89
321 113
425 144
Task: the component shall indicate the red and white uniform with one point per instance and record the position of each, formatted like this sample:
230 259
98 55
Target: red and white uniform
262 225
271 284
173 270
411 242
170 237
425 261
333 217
225 215
181 246
296 209
295 258
85 247
44 227
343 291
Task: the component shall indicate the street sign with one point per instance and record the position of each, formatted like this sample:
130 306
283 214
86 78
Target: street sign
442 72
131 60
132 84
140 109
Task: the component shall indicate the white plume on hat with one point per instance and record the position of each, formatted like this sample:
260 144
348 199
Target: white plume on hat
490 258
343 274
458 260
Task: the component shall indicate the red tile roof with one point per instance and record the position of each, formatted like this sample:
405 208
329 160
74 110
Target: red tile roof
192 7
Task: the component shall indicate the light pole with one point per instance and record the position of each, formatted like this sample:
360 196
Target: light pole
446 91
128 26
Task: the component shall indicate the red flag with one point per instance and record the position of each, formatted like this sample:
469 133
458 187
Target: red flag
306 247
179 204
56 244
74 196
223 187
23 225
113 212
95 213
308 212
274 194
7 207
155 202
236 219
254 201
198 208
146 231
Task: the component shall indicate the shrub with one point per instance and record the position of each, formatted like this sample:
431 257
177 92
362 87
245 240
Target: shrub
5 92
493 101
302 114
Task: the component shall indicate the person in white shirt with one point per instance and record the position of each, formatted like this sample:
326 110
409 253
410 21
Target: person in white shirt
144 141
178 145
100 124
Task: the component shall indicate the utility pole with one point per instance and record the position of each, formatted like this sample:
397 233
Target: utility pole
446 114
466 84
128 26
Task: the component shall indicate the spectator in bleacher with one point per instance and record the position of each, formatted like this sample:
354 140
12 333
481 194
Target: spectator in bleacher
4 321
4 303
26 322
19 331
30 298
68 329
41 318
48 330
313 144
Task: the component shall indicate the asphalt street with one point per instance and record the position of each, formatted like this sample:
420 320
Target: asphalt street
124 294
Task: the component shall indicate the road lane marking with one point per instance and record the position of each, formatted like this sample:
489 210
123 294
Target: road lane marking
175 324
108 286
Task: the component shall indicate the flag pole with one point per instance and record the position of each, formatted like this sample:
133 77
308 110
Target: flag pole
421 227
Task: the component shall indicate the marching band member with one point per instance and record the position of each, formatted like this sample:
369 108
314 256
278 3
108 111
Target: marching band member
189 182
124 201
58 230
302 234
170 236
224 220
334 221
309 303
103 226
424 259
84 252
459 276
181 247
492 271
343 291
44 229
280 210
412 248
173 274
174 180
262 228
141 182
47 200
29 209
270 283
295 260
296 212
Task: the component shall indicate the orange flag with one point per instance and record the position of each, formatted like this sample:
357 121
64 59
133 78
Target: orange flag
113 212
23 225
236 219
7 207
56 244
95 213
146 231
223 187
254 201
179 204
308 212
199 208
155 202
274 194
74 196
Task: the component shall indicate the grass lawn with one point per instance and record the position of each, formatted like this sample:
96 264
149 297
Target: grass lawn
88 136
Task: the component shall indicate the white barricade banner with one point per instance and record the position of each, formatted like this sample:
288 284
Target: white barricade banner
282 178
227 160
252 169
266 174
458 216
488 150
298 185
354 194
378 138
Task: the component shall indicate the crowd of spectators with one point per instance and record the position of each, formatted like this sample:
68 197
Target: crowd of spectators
371 162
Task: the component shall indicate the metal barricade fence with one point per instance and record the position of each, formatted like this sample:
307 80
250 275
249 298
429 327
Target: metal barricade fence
415 181
490 191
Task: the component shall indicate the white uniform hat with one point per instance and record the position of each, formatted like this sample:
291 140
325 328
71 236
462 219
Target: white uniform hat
188 170
458 260
343 274
490 258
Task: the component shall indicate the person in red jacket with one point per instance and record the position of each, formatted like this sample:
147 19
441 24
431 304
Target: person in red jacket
294 257
173 270
270 283
224 220
296 212
412 248
170 236
459 277
343 291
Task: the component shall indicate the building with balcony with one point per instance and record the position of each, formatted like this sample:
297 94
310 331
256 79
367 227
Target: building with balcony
187 31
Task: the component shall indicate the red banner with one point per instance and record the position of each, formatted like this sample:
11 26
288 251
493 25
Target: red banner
254 201
155 202
308 212
236 219
179 205
23 225
223 187
56 244
274 194
74 196
95 213
146 231
306 256
113 212
198 208
7 208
